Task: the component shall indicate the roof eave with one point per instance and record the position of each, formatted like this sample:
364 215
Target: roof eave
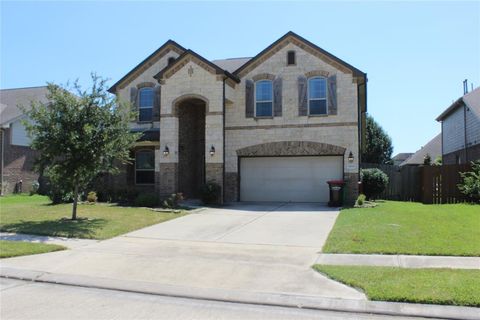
450 109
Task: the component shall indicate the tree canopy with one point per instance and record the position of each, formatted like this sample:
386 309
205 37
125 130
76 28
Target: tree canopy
80 134
378 147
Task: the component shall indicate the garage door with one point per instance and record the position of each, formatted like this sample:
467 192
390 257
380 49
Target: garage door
296 179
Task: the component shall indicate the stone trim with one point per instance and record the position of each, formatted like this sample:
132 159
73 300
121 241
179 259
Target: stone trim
184 61
135 74
307 48
291 148
285 126
263 76
145 85
186 97
316 73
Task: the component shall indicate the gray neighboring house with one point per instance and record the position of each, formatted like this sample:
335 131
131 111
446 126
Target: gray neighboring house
432 148
17 158
461 129
401 157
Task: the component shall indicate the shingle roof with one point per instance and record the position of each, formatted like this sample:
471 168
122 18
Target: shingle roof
471 99
433 148
10 99
402 156
231 64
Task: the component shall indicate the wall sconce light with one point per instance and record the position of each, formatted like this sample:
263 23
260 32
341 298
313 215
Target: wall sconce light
166 151
350 157
212 150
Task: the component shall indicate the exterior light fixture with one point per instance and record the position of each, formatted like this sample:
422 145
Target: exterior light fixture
212 150
350 157
166 151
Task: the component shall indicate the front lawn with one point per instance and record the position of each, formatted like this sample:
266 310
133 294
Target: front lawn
395 227
10 249
35 215
432 286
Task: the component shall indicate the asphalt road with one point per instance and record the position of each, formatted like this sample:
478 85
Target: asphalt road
31 300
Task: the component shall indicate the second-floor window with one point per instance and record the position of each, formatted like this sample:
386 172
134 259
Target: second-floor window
263 98
145 104
317 96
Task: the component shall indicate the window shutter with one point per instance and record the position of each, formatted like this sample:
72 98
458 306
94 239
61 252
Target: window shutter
277 97
332 95
302 96
156 103
249 101
133 97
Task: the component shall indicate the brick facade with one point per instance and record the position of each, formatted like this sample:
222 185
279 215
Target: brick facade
18 165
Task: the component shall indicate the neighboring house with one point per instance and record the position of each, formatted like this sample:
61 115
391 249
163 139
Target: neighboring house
401 157
461 129
17 158
275 127
433 148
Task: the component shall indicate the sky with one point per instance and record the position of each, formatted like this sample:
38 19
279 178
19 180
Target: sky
416 54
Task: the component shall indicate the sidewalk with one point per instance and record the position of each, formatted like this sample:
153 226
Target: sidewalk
70 243
400 261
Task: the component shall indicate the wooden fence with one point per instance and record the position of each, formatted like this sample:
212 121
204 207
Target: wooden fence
427 184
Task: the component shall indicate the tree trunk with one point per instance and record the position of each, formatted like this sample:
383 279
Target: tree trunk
75 200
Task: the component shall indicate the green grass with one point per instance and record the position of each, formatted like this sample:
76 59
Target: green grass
407 228
10 249
35 215
431 286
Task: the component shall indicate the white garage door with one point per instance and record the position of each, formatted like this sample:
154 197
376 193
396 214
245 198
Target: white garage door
296 179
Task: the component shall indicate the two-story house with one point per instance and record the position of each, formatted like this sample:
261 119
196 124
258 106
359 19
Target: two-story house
275 127
461 129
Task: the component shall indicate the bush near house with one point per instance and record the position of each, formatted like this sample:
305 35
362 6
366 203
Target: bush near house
374 182
470 185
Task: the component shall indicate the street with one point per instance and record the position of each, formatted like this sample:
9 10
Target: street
31 300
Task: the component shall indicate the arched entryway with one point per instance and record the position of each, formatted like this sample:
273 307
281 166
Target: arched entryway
191 145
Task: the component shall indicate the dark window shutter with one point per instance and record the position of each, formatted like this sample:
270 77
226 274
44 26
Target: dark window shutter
332 95
249 101
302 96
156 103
133 97
277 97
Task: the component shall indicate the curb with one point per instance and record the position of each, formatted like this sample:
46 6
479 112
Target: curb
253 298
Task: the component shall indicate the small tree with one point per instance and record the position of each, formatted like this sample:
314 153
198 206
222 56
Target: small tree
437 161
378 147
79 135
470 185
374 182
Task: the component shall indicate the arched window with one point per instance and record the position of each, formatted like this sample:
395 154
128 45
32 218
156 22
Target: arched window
145 104
263 98
145 167
317 96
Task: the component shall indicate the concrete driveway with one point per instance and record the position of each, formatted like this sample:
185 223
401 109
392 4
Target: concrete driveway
278 224
257 248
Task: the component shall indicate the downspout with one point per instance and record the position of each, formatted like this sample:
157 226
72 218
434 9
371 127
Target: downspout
223 137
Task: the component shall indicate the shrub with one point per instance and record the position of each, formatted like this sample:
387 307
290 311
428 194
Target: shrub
172 201
146 200
374 182
470 185
360 200
35 187
92 197
211 193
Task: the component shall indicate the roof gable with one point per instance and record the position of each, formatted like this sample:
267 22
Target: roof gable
186 57
11 99
306 45
168 46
